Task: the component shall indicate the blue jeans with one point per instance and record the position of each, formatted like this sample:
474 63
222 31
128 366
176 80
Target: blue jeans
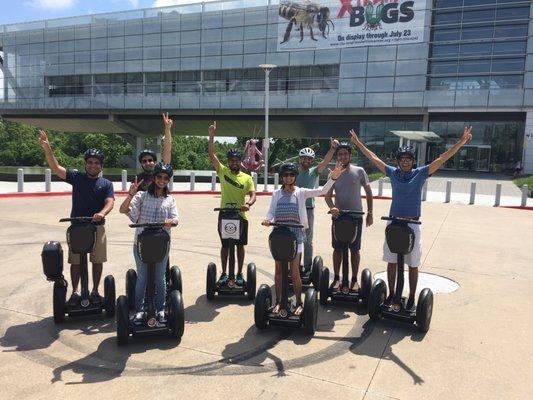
142 279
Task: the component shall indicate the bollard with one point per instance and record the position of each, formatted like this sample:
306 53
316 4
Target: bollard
193 178
498 194
48 180
425 191
276 181
213 181
380 187
124 180
171 184
525 191
472 192
254 177
20 180
448 191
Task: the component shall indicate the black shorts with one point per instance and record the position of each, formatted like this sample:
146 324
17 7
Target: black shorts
243 241
356 244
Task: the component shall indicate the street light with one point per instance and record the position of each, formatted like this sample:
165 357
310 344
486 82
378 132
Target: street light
267 68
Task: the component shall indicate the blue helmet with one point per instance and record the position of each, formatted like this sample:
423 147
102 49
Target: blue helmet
234 153
160 167
288 167
94 153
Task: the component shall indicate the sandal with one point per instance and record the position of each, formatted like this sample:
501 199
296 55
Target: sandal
299 309
335 285
275 308
354 286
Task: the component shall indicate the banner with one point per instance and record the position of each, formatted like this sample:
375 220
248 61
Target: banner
329 24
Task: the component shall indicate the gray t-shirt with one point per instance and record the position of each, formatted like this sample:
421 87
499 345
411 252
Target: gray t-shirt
347 189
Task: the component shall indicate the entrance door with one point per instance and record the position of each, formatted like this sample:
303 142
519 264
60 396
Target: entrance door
483 158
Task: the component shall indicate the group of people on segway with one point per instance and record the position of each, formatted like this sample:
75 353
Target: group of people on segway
291 208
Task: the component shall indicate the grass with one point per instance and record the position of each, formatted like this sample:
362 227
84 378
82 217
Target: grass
374 176
524 180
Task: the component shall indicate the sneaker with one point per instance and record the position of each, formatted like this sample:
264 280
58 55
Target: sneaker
161 318
138 318
240 280
95 297
223 279
410 304
74 299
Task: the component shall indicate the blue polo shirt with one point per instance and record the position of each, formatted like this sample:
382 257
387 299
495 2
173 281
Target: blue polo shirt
406 190
88 195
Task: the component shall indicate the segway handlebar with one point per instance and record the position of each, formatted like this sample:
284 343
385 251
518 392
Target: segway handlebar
404 220
149 225
229 207
350 212
286 224
77 219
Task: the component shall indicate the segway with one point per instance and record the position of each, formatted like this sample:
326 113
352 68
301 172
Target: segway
284 247
400 239
81 237
153 244
230 228
345 231
310 276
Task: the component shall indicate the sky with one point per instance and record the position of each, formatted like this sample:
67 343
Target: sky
35 10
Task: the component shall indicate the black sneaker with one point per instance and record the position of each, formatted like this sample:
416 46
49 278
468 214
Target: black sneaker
240 280
388 301
410 304
74 300
161 319
223 280
138 318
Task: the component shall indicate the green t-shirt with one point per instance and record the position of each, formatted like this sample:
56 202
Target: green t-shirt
234 187
307 179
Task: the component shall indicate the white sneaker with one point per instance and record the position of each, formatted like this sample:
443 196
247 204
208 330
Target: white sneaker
161 319
138 318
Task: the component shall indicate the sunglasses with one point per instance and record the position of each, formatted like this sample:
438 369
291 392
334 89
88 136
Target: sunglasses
288 174
406 159
163 177
147 160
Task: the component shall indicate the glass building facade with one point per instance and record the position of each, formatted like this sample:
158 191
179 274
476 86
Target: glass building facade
117 72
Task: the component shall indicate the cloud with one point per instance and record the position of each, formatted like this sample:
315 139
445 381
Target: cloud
52 4
164 3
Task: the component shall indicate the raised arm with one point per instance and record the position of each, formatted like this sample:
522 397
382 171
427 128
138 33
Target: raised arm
134 187
329 155
369 154
49 155
211 147
167 139
439 162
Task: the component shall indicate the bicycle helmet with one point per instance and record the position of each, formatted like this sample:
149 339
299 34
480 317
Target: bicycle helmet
405 151
344 145
307 152
148 152
288 167
234 153
94 153
163 168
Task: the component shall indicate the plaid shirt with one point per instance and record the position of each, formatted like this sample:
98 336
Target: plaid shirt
146 208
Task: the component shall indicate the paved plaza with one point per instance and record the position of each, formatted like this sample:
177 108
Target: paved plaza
478 346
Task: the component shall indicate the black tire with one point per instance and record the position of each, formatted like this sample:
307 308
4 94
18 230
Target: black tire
250 281
377 297
175 279
263 301
176 315
211 281
316 268
123 320
131 281
310 314
366 286
424 310
59 299
324 286
109 296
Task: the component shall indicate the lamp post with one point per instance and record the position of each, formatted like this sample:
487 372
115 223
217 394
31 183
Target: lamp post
267 68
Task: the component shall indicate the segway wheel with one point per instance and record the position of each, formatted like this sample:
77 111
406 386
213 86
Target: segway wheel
310 313
176 314
109 296
131 281
317 266
424 310
211 281
366 286
123 329
250 282
175 279
377 297
263 301
59 300
324 286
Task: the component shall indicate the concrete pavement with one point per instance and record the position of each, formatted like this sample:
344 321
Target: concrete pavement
478 347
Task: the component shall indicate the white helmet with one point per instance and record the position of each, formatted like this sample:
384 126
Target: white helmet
307 152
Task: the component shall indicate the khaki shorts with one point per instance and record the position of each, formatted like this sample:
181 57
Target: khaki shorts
99 253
